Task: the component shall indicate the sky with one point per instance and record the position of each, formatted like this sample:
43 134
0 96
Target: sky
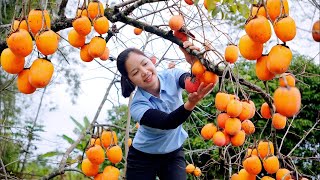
94 81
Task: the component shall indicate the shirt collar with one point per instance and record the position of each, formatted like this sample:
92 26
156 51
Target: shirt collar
148 95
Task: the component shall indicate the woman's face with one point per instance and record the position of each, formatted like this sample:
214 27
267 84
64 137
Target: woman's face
141 71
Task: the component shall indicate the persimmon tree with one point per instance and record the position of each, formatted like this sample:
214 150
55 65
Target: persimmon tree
97 32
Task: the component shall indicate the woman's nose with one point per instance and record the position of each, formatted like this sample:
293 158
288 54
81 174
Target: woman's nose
144 71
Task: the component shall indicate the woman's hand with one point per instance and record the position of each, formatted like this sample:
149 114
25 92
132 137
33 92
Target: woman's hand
194 98
189 58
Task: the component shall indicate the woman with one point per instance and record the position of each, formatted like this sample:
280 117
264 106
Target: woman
158 107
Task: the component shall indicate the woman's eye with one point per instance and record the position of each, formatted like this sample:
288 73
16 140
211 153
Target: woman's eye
145 63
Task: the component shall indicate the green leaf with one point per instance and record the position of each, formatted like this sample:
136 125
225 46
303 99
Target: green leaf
86 122
222 15
77 123
227 1
196 2
244 10
216 11
67 138
233 8
50 154
211 5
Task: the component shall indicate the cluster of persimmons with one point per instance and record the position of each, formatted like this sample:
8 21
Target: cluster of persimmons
36 26
20 44
88 16
104 145
233 122
259 158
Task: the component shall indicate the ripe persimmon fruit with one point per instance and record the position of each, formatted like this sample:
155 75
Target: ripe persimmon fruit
262 70
101 24
95 8
316 31
47 42
271 164
84 54
265 111
176 22
88 168
265 148
258 10
287 101
20 42
290 80
97 46
23 82
221 101
95 154
10 62
234 108
274 8
285 28
111 173
82 25
76 39
238 139
232 126
279 121
231 53
190 168
283 174
246 111
41 72
258 29
20 24
197 68
208 130
250 49
219 138
221 119
114 154
109 138
279 60
105 55
248 127
252 165
197 172
137 31
35 20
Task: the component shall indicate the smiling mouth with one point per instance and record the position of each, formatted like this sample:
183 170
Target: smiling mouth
148 79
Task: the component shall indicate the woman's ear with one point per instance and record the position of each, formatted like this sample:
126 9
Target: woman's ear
153 59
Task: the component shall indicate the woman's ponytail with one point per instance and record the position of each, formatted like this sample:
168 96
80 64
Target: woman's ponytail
127 87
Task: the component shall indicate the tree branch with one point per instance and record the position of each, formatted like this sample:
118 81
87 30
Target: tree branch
71 148
62 8
126 138
4 169
112 125
57 173
138 4
315 124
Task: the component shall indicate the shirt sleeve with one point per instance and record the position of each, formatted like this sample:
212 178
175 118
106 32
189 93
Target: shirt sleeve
161 120
138 107
177 74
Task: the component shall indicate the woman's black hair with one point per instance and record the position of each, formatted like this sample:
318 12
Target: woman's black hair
127 87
